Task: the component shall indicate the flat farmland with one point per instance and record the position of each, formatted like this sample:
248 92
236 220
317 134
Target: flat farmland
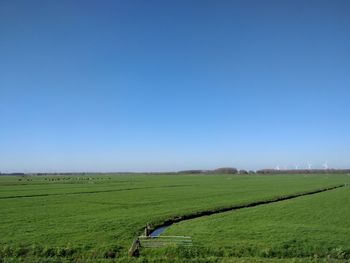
308 227
95 218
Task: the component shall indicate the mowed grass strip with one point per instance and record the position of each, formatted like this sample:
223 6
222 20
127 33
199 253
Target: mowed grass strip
314 226
103 216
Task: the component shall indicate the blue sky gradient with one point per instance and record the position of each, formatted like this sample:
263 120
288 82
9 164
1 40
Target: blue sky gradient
172 85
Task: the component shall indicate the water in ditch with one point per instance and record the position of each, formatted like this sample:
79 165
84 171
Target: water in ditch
156 232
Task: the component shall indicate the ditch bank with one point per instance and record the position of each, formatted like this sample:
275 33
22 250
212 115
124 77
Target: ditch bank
154 230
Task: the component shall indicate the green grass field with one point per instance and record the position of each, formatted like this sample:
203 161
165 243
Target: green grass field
315 226
95 218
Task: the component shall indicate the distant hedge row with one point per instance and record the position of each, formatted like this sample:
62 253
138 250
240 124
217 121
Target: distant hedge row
224 170
267 171
304 171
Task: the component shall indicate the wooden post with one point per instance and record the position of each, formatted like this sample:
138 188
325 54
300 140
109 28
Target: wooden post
134 249
147 230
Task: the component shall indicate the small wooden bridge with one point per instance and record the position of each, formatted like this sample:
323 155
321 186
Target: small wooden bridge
161 241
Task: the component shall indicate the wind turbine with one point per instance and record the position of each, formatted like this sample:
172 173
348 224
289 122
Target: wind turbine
325 165
309 166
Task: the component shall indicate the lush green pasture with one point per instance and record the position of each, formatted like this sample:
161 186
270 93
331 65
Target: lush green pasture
314 226
94 217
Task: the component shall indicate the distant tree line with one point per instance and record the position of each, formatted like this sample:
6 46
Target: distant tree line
13 174
303 171
229 170
222 170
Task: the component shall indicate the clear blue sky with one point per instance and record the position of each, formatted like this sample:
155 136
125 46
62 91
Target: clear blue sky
171 85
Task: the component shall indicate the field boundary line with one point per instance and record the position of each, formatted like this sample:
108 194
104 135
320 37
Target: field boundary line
90 192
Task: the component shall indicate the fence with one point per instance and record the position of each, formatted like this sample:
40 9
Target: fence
161 241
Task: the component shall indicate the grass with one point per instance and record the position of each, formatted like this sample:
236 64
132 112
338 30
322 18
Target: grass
313 227
96 217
